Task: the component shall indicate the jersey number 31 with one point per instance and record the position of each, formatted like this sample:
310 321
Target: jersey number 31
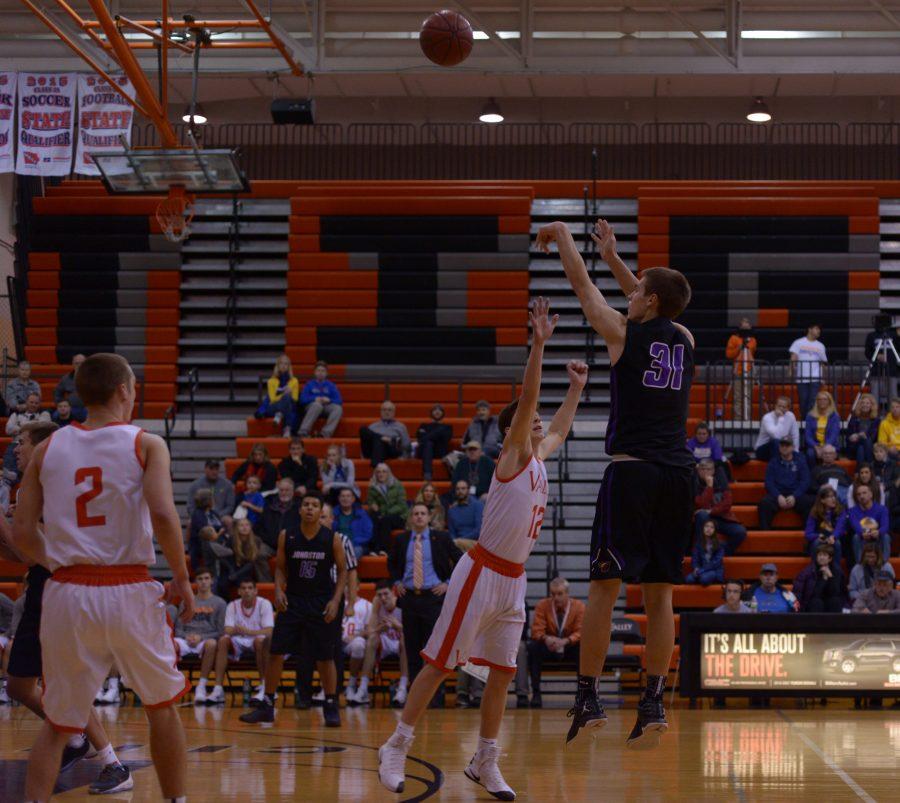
667 366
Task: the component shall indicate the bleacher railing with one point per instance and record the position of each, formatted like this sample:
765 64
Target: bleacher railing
651 151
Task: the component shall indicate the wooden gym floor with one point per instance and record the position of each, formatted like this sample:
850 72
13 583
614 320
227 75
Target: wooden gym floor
780 754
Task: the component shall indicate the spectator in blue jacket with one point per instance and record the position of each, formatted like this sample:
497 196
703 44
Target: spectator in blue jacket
708 560
827 523
704 445
787 484
320 396
352 521
464 516
862 429
869 522
823 428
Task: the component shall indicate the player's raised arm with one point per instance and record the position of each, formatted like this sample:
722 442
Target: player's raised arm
26 539
609 323
565 415
604 236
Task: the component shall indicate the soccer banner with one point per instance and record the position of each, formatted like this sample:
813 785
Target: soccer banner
7 110
103 116
46 118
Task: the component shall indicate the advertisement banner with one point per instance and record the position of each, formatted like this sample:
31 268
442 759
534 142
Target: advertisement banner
7 110
798 661
46 120
103 117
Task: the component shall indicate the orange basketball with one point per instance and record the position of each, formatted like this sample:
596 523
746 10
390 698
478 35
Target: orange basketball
446 38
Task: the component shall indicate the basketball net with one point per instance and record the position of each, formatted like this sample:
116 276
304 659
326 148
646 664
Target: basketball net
175 213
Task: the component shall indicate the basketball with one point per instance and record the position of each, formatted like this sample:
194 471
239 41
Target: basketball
446 38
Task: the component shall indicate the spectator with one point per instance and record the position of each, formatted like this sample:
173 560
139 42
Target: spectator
862 576
19 389
433 439
321 397
869 521
464 516
386 503
862 429
428 495
889 429
302 468
826 523
281 512
883 466
221 489
777 424
485 430
882 597
822 428
830 472
248 559
475 468
384 639
63 415
787 481
732 592
741 349
32 412
353 638
203 516
249 622
767 596
704 445
337 473
282 393
250 503
66 391
200 635
555 633
883 379
386 438
819 586
352 521
258 465
707 562
421 593
712 502
807 358
865 476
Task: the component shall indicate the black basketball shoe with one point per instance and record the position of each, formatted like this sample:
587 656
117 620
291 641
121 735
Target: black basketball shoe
650 726
72 755
265 713
113 778
586 713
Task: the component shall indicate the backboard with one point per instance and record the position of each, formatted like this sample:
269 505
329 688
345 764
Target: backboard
153 171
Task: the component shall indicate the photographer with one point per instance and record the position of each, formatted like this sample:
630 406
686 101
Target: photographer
741 348
885 370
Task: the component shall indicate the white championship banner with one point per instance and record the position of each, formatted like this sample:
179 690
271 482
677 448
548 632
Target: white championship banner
7 110
46 120
103 117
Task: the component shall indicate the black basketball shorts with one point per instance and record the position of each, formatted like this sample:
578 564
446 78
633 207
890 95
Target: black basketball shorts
25 657
303 627
643 526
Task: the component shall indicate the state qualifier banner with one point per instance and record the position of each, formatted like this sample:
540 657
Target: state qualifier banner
7 110
784 661
46 120
104 116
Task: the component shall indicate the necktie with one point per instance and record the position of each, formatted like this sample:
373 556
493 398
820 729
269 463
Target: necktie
418 564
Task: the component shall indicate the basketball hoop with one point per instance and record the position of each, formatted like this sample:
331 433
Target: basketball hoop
175 213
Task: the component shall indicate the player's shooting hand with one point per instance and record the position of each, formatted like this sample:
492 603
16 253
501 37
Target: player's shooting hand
331 610
578 373
280 598
546 235
542 325
181 587
605 237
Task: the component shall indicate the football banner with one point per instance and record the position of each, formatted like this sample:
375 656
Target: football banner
103 117
46 120
7 110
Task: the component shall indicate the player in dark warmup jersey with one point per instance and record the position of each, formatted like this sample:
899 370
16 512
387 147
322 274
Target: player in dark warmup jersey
644 517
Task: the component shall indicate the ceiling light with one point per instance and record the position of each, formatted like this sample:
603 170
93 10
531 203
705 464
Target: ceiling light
199 116
491 112
759 112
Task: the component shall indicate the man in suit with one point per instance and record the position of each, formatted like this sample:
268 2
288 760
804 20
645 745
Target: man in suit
420 565
555 633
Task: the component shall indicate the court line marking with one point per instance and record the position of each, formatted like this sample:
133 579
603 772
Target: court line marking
861 793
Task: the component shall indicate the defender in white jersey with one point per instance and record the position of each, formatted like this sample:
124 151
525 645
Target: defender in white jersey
484 608
103 490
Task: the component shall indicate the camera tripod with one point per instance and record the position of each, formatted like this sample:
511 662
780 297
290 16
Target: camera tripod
884 345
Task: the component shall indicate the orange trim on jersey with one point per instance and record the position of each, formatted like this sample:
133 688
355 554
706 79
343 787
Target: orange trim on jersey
79 425
496 564
497 471
90 575
459 612
498 667
435 664
137 450
60 728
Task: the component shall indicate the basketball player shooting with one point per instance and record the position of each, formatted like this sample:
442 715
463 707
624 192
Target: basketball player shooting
644 519
484 607
103 490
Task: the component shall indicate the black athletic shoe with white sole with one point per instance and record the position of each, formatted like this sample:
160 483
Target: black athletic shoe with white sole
650 726
586 713
265 713
113 778
72 755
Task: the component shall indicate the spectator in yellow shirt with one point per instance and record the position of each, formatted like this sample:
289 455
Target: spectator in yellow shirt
889 431
282 393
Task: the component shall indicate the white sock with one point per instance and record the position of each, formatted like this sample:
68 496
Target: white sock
483 743
182 799
107 755
217 687
351 686
404 682
201 684
76 741
363 685
404 730
114 683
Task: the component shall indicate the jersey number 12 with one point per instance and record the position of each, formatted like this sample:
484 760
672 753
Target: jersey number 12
537 519
667 366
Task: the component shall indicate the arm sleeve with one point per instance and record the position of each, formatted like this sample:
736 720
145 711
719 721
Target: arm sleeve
724 504
405 442
884 525
859 604
884 436
451 524
272 389
811 532
539 623
716 450
229 615
335 394
365 527
307 395
294 388
704 500
795 432
833 430
219 623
